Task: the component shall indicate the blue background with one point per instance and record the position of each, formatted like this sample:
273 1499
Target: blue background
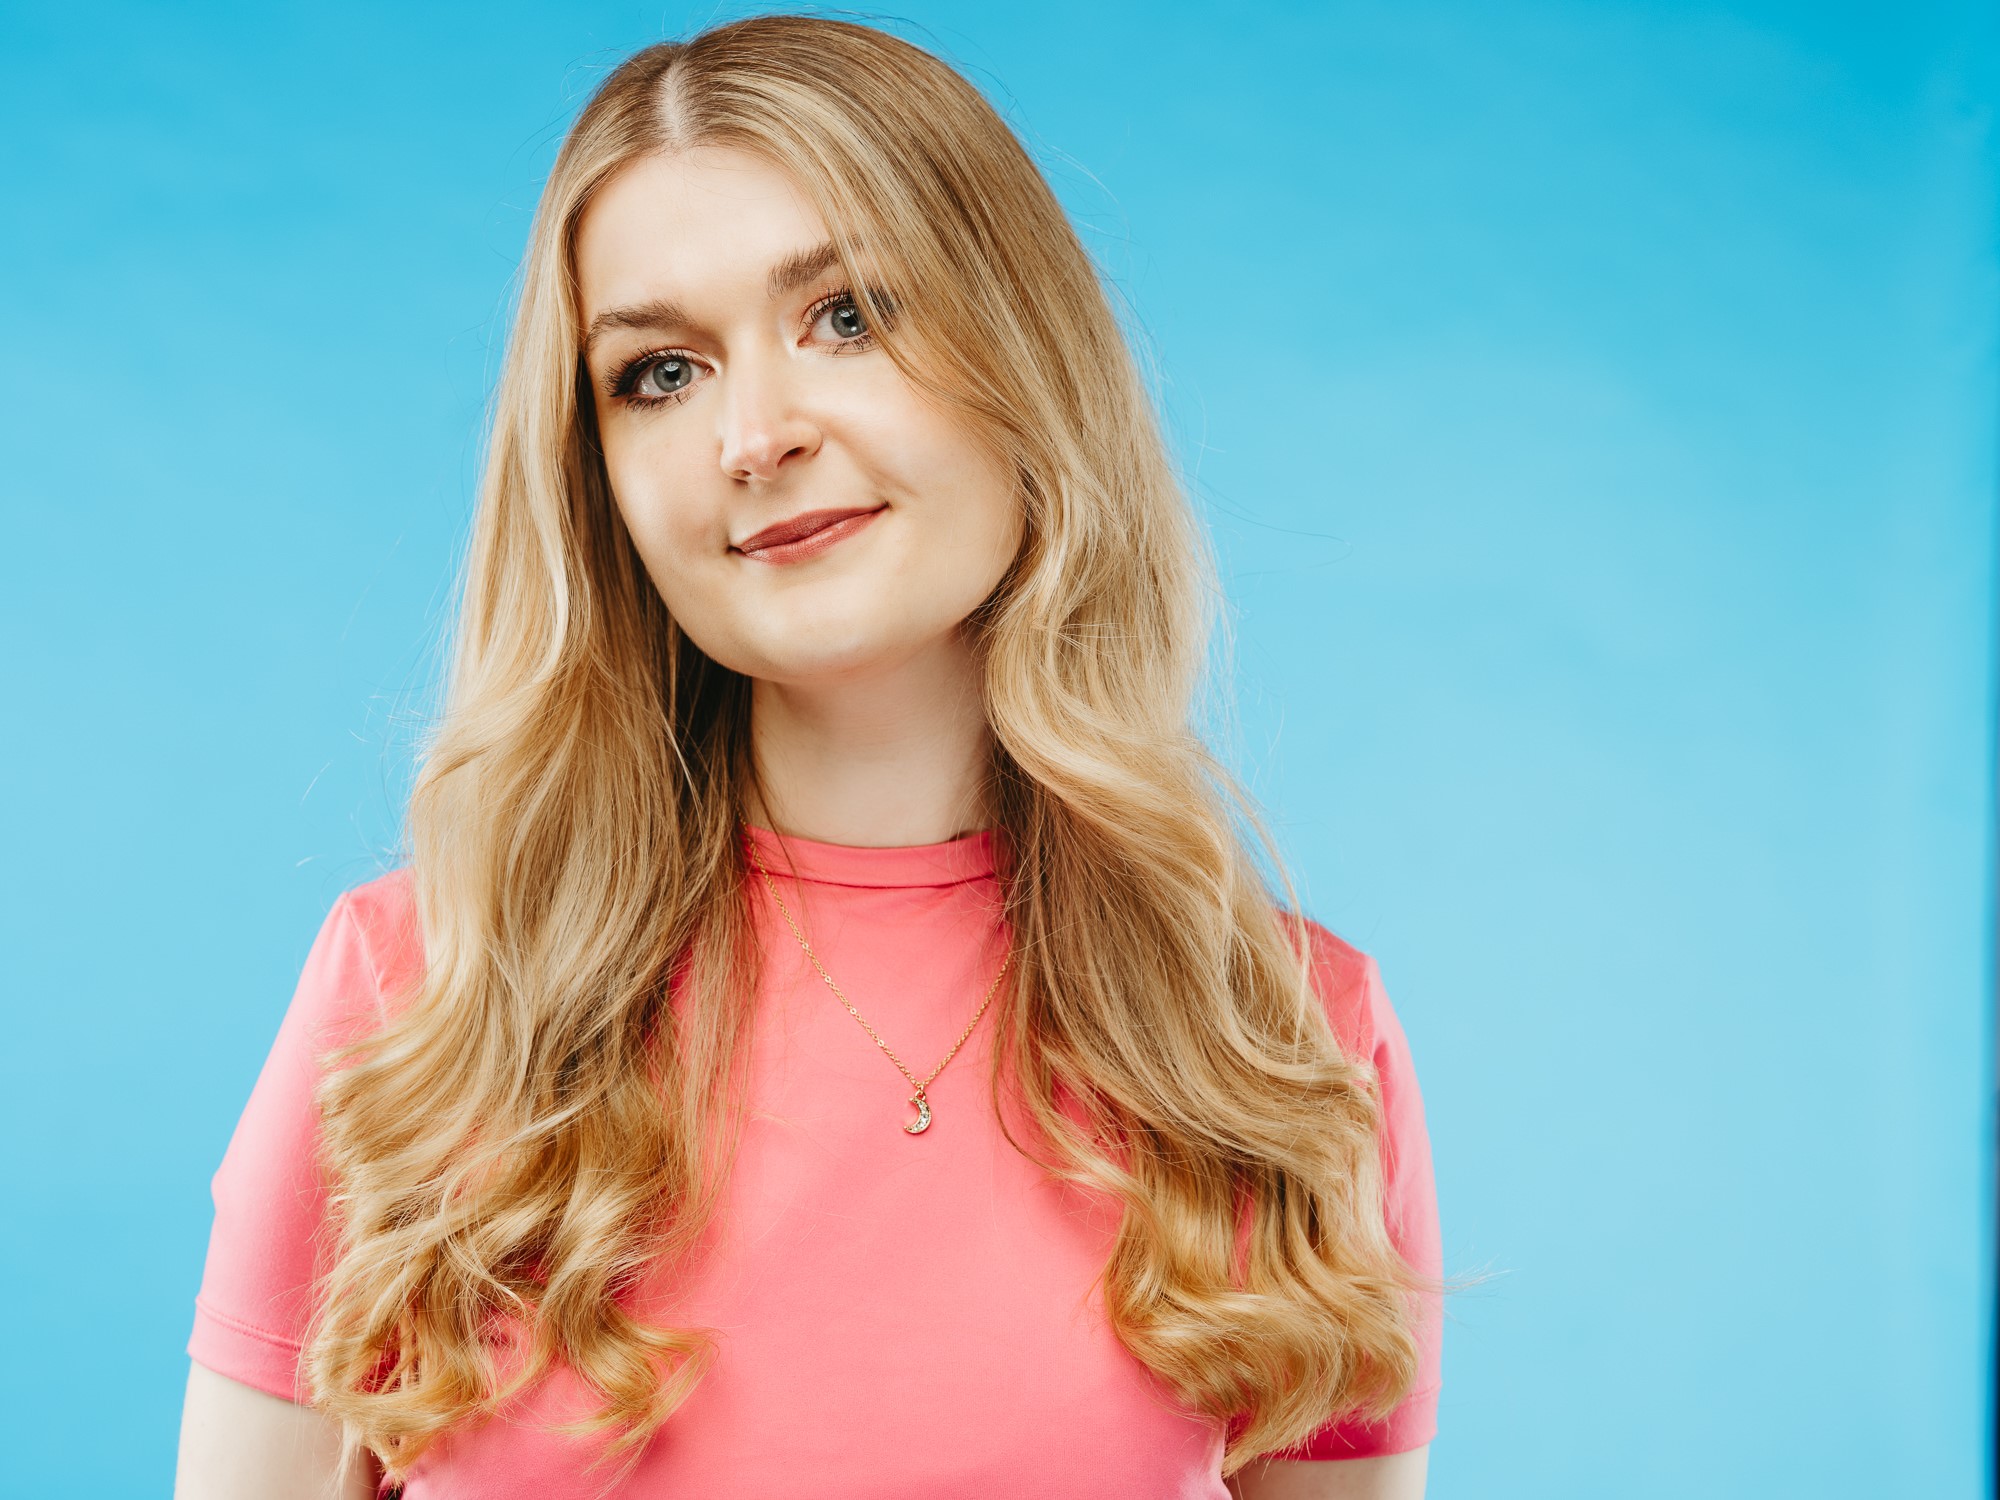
1594 406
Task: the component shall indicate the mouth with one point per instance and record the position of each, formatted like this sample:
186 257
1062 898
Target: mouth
804 535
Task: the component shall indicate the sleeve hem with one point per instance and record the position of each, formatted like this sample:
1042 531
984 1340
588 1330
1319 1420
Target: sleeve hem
1411 1425
206 1309
230 1347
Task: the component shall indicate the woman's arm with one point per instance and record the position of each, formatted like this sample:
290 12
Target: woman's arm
1394 1476
237 1443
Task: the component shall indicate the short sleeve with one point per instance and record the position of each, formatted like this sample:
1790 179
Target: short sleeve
1358 1005
268 1244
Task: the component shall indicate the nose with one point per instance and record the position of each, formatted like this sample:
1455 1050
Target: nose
763 423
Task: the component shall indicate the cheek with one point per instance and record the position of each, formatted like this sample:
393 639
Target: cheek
658 493
969 504
984 506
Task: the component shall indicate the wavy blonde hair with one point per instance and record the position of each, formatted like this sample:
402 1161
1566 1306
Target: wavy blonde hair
535 1126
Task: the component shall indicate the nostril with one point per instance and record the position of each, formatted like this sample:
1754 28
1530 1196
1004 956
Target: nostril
760 460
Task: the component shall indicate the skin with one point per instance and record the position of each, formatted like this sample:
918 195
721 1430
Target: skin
1394 1476
237 1443
866 712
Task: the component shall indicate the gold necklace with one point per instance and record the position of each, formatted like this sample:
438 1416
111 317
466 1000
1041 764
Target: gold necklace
920 1098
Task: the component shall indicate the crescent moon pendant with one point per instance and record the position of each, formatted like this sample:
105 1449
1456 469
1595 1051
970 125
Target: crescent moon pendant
923 1121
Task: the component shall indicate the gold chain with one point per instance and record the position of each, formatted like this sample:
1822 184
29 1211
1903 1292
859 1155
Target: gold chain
920 1098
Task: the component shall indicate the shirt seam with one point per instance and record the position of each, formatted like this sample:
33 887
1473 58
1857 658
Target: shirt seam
236 1325
892 885
367 952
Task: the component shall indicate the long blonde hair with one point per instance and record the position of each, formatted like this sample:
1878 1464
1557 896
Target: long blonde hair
536 1125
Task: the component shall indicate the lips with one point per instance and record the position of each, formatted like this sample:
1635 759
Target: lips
785 539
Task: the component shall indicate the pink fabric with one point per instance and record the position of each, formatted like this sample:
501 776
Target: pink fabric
899 1315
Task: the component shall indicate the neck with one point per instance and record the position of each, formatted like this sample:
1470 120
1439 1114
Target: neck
892 757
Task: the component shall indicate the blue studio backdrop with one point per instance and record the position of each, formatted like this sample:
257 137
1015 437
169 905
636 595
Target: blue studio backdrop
1593 404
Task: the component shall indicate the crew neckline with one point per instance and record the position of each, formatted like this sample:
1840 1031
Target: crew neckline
949 863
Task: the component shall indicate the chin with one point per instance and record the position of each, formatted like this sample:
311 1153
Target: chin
829 623
816 651
856 661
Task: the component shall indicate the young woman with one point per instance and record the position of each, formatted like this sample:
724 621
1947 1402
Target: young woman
830 1037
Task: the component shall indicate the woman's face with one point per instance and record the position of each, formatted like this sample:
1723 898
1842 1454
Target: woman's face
738 389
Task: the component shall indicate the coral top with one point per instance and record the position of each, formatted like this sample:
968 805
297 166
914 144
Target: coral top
900 1315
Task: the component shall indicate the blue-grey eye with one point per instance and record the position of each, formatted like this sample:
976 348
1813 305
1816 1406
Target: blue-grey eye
847 321
666 377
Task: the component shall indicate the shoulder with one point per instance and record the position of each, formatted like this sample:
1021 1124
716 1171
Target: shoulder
366 952
383 915
1347 982
258 1289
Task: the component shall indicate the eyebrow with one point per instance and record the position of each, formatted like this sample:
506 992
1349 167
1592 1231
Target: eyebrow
660 313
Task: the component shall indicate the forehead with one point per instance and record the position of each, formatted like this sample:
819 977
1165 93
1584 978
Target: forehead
699 224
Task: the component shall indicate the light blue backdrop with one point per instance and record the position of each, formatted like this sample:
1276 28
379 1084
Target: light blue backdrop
1594 407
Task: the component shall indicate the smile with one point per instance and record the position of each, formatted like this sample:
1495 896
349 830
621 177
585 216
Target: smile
807 535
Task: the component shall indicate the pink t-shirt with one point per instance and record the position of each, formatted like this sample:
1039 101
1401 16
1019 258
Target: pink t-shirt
900 1315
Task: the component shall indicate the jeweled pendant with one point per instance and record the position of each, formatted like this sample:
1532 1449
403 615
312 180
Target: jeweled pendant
923 1121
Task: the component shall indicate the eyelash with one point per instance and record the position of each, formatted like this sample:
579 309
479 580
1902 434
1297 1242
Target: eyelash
625 379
